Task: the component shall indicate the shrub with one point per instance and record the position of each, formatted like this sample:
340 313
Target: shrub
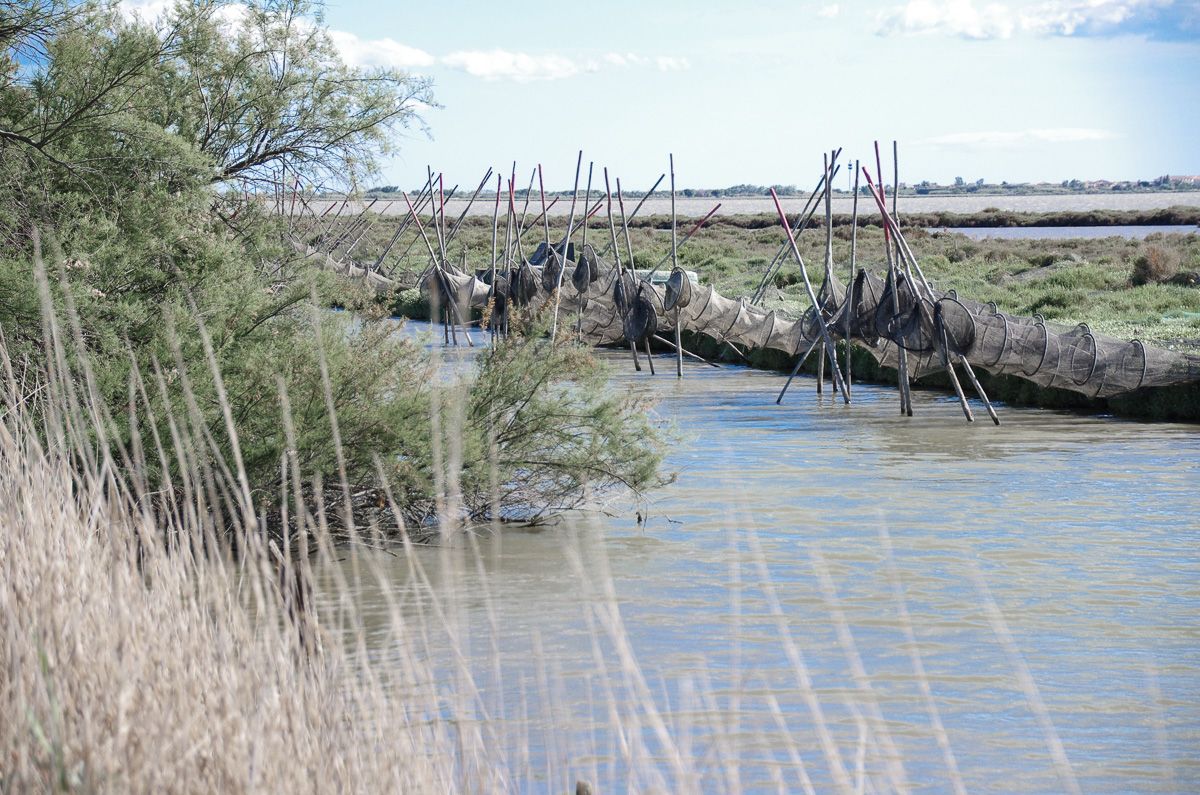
1154 265
411 304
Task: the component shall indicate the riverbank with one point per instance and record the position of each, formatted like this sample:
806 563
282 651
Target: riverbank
1179 403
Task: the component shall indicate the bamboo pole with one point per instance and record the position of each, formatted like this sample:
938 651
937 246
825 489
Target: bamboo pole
545 217
587 202
890 223
616 249
443 281
686 238
525 209
633 215
495 240
811 347
894 282
674 266
625 227
566 245
812 296
802 221
686 352
853 278
512 216
649 358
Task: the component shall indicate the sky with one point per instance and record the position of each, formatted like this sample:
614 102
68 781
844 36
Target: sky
756 91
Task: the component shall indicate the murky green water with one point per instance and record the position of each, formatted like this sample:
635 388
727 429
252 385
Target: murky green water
1083 530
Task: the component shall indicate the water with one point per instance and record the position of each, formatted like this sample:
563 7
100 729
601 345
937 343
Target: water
1065 232
697 207
1083 530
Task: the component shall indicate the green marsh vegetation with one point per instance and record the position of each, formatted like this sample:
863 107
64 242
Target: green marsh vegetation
1127 288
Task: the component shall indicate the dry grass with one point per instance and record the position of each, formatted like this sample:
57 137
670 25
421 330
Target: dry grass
138 655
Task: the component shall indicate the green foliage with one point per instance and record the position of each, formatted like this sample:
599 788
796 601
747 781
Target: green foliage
554 434
120 146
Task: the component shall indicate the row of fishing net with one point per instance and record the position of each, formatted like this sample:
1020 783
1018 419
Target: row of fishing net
1050 355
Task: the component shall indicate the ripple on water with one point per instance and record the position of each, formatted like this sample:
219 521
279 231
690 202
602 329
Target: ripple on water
1084 530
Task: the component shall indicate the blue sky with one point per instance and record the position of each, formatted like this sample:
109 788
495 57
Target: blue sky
755 91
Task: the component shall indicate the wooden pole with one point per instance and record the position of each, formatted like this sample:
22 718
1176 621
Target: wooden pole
958 390
805 216
812 296
821 370
829 163
525 209
461 216
625 228
901 354
903 247
811 347
495 241
686 352
378 266
686 238
674 266
512 216
565 246
616 249
633 215
853 277
649 358
545 217
587 202
443 281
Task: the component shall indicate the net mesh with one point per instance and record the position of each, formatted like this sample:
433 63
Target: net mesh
1072 358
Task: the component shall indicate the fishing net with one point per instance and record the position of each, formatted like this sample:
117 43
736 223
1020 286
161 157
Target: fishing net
581 277
611 307
523 285
678 292
641 322
540 253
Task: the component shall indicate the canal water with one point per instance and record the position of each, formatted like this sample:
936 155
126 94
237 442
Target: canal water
833 596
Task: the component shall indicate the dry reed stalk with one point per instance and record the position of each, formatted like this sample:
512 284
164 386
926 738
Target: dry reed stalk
1033 696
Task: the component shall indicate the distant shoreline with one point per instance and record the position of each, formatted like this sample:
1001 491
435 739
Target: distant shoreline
696 207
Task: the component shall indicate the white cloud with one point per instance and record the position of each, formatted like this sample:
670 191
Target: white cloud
494 64
997 139
1001 20
385 53
525 67
1069 17
667 63
145 10
623 59
504 65
830 11
949 17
